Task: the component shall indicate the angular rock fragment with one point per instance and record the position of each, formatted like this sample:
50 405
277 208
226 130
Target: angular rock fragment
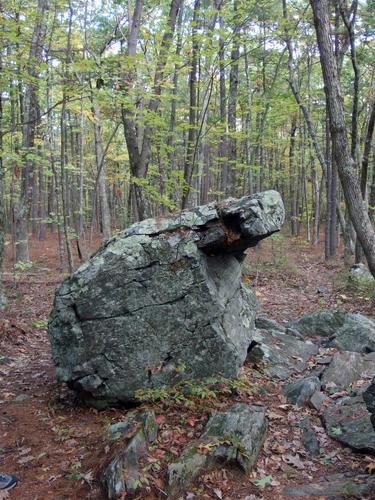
350 332
318 400
300 391
348 421
121 477
235 436
335 486
282 354
161 302
309 439
369 398
347 368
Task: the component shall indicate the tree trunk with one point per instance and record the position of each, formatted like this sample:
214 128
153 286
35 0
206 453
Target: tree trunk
30 123
232 106
340 147
2 204
192 134
105 217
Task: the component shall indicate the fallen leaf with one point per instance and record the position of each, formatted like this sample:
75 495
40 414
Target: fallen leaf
294 460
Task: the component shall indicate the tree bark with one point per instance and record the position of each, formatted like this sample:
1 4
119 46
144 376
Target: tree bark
340 147
192 133
29 130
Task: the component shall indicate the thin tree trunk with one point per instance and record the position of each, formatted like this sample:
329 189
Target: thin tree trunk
232 105
30 123
192 133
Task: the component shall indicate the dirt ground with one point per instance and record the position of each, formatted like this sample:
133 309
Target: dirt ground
57 448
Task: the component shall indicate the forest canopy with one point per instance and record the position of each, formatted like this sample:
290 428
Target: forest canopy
114 111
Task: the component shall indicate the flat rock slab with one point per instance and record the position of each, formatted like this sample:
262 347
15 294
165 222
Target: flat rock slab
282 354
347 368
337 486
349 332
235 436
348 421
161 302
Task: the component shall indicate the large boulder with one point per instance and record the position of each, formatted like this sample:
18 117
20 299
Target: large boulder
347 368
347 331
161 302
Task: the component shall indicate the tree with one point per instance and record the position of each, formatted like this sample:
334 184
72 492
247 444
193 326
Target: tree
340 147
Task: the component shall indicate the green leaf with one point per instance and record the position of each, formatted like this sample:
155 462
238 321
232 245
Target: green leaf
263 481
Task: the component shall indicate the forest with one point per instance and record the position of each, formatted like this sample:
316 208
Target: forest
111 113
152 345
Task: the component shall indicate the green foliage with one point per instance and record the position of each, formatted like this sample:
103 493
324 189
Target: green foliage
188 392
41 324
263 482
23 266
336 431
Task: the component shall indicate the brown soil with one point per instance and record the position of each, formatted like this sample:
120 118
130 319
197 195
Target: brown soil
57 447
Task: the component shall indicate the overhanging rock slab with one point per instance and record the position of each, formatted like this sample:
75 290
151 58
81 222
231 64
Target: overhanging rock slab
161 302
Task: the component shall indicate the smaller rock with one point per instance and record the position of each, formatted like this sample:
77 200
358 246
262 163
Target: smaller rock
21 397
309 439
348 421
282 354
121 477
335 486
347 368
369 398
236 436
3 302
268 324
359 273
300 391
347 331
318 400
145 420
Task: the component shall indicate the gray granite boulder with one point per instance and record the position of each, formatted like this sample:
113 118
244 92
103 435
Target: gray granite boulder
335 486
234 436
300 391
348 421
347 368
347 331
281 354
161 302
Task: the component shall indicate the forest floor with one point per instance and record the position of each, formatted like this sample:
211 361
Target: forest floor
56 447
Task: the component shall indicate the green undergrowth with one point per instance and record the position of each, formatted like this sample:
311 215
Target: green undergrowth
189 392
